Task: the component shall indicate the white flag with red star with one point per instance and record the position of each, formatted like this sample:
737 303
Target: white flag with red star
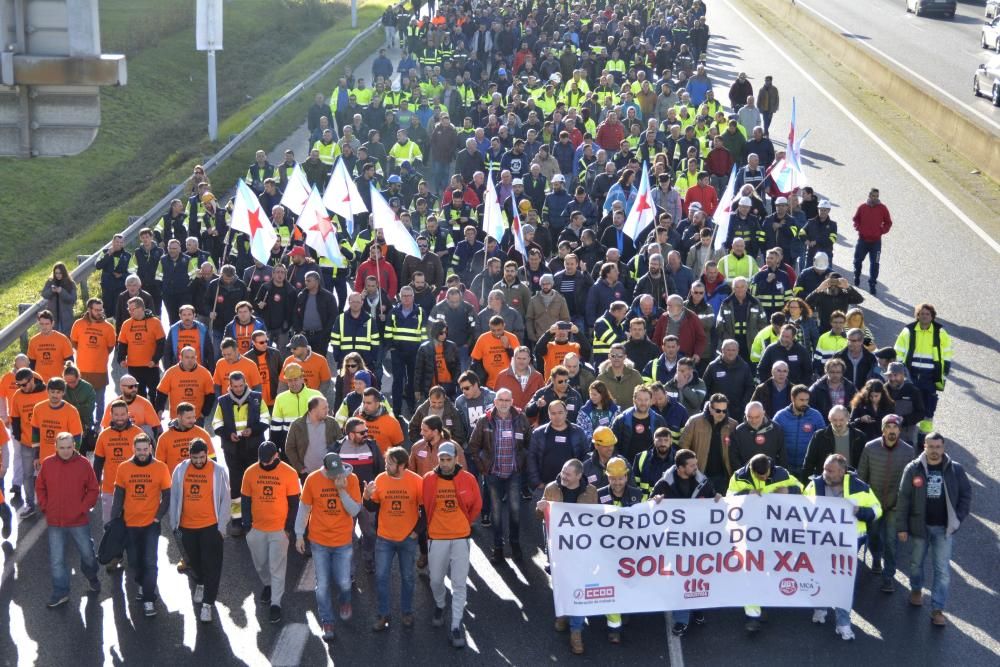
321 233
643 211
342 197
250 218
296 191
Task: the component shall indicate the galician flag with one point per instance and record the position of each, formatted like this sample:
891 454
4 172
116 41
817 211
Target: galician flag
515 230
643 211
724 210
321 233
296 191
250 218
787 172
342 197
396 235
494 222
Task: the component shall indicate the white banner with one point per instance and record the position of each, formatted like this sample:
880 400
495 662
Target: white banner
775 550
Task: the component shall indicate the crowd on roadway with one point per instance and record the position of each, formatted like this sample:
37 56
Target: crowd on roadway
418 398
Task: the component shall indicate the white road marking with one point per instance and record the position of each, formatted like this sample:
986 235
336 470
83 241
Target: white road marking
109 633
291 642
940 196
922 79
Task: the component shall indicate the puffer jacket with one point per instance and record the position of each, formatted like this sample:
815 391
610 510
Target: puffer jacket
882 469
747 441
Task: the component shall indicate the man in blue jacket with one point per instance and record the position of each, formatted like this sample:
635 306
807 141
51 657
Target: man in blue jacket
799 423
552 446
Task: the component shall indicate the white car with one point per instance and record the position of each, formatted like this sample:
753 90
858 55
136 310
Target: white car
921 7
992 8
987 80
991 35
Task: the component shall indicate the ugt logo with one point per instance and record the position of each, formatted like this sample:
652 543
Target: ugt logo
696 588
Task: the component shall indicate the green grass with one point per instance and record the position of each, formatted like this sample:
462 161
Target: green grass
153 129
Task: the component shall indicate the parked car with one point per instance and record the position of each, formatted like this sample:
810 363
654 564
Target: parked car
987 80
992 8
991 35
922 7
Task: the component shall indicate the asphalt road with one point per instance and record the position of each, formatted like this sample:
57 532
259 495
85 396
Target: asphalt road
509 617
943 51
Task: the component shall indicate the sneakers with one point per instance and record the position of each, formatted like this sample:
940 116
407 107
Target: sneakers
516 553
698 618
615 636
938 619
679 629
199 594
148 609
421 561
56 602
845 633
917 599
438 619
753 625
561 624
408 620
205 615
457 637
576 642
275 614
887 586
328 632
819 616
265 595
27 512
486 522
525 494
381 623
7 524
346 611
497 557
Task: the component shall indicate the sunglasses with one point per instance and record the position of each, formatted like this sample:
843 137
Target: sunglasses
130 386
466 387
364 432
562 381
350 365
23 384
717 411
698 293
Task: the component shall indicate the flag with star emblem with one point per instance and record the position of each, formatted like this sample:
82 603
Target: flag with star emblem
494 222
342 197
250 218
396 235
643 211
321 233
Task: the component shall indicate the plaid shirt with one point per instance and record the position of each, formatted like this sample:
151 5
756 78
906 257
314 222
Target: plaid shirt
504 448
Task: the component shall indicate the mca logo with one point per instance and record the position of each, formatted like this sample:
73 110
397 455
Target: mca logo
50 434
188 392
137 337
696 588
268 491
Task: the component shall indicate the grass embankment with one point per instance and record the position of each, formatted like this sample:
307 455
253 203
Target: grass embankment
154 129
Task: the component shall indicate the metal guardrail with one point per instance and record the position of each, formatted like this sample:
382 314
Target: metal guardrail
18 329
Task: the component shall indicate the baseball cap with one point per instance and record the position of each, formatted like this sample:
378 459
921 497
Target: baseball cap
824 203
558 178
365 377
604 437
266 451
334 466
745 201
297 251
501 72
394 179
517 181
896 367
892 419
446 449
781 200
616 467
293 372
404 163
298 340
821 261
695 205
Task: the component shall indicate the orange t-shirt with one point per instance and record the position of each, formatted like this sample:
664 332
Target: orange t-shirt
21 406
494 356
190 338
268 491
186 386
173 445
399 499
555 353
142 485
114 446
329 523
448 521
8 385
265 378
94 342
198 491
439 364
223 368
140 410
50 422
315 369
243 333
48 353
141 337
385 431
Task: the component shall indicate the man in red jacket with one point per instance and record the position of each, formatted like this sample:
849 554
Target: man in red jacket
67 490
683 323
872 221
452 502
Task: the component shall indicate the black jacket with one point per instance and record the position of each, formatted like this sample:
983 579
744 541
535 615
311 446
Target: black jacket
746 442
326 304
822 445
864 367
425 373
819 396
278 306
798 359
668 487
735 381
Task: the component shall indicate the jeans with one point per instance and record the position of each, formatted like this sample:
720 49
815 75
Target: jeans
14 453
440 173
682 616
203 551
390 36
871 250
767 120
475 471
333 565
84 543
140 546
27 455
938 541
883 544
505 494
576 623
385 550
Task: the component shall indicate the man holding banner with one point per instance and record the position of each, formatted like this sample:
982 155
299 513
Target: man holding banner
618 493
684 480
760 476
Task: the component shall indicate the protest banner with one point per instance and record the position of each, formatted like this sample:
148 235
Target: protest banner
774 550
